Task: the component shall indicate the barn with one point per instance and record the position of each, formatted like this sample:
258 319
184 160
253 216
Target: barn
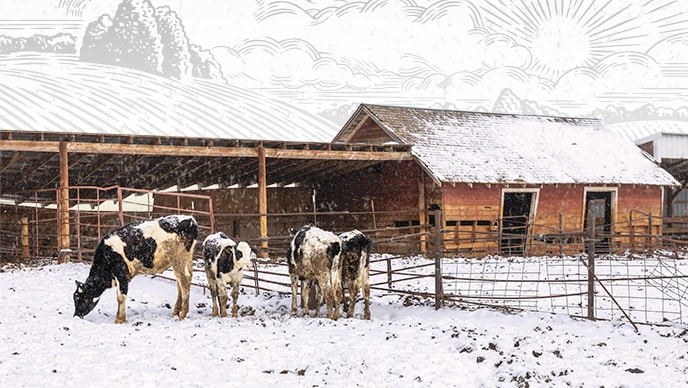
389 170
515 174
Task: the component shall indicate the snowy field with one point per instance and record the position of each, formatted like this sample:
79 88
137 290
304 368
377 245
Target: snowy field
42 344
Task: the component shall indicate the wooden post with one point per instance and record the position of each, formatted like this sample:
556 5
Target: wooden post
631 234
591 264
25 238
561 235
263 202
649 226
439 291
63 206
421 210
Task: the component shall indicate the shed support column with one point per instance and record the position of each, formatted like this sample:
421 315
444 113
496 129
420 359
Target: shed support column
25 238
421 209
263 203
63 206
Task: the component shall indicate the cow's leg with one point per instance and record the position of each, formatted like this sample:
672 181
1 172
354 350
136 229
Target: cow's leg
336 292
305 297
365 286
212 286
294 287
183 275
345 303
327 291
353 293
235 299
222 296
122 289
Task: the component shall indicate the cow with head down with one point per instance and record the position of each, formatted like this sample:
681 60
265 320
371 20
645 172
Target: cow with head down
144 247
314 258
355 255
224 263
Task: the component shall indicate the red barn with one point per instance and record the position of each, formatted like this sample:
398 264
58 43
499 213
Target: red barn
524 175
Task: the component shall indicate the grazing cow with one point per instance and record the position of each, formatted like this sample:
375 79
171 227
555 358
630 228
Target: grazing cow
314 258
224 262
145 247
355 254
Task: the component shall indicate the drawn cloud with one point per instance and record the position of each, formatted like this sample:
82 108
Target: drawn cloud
293 63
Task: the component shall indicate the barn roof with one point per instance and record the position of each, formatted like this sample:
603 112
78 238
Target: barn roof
475 147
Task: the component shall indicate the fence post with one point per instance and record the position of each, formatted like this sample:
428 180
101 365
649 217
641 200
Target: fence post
649 226
439 292
25 238
561 235
591 264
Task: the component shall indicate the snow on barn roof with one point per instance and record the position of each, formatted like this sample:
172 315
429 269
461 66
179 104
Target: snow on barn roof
473 147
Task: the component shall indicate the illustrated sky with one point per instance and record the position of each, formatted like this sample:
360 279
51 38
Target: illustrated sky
573 56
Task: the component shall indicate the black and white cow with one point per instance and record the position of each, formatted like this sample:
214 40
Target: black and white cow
314 258
224 263
144 247
355 255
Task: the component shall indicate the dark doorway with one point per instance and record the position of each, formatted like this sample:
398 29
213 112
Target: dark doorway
515 215
600 203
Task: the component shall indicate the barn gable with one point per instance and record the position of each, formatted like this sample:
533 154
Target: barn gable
473 147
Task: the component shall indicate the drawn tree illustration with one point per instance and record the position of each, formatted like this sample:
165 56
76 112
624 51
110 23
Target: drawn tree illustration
142 37
61 43
204 64
176 57
93 46
134 39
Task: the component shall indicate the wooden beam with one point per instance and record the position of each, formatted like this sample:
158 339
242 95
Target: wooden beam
263 203
336 155
218 151
421 208
63 205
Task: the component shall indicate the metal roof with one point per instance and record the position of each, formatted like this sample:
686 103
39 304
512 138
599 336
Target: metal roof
476 147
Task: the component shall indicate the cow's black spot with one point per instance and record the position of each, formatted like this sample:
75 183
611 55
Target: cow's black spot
187 229
137 246
298 241
333 249
225 264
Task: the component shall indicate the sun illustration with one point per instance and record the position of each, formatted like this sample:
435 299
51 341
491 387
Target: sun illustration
562 35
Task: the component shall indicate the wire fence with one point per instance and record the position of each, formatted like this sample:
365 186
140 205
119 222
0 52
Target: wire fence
639 276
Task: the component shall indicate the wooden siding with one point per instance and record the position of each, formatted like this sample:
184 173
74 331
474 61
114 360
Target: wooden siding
472 212
370 133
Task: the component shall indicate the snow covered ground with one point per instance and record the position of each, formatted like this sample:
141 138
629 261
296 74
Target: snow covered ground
42 344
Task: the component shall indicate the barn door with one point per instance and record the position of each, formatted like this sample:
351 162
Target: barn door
600 203
515 215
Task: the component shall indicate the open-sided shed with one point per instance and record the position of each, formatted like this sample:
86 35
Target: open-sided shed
42 167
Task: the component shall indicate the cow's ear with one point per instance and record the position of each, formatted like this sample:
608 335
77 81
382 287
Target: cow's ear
292 231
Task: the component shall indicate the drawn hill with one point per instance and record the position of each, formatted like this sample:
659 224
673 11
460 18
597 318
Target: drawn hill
58 93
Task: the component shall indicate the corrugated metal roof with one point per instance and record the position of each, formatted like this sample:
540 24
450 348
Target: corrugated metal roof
637 130
473 147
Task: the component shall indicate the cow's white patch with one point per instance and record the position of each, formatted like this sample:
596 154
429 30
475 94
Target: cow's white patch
116 244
